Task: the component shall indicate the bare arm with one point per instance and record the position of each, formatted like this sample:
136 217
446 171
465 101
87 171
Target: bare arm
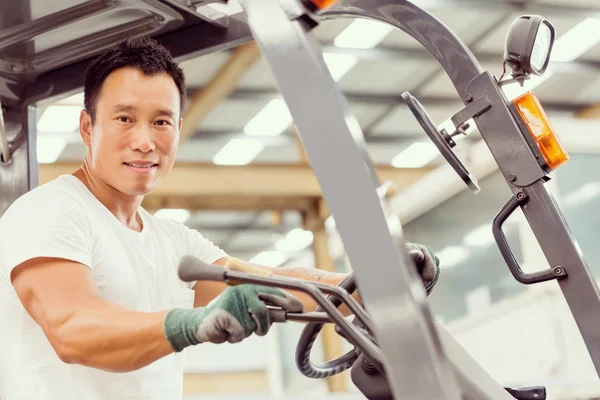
82 328
206 291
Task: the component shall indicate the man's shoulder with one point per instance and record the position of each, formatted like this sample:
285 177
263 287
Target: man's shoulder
59 193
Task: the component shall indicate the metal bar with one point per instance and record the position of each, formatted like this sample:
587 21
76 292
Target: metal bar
561 249
4 149
61 82
448 49
389 53
326 127
20 175
29 30
321 317
393 100
475 383
354 334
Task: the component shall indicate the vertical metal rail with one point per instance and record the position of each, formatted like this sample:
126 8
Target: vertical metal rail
415 364
20 174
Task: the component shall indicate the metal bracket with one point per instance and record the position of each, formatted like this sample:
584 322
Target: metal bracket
529 393
474 109
517 200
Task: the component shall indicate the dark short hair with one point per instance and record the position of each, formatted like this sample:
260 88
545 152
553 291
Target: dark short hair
143 53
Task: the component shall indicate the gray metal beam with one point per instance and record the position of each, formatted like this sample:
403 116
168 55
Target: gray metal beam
524 6
387 99
209 39
389 53
288 138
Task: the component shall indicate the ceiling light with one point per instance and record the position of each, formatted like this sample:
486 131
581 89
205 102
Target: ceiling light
339 64
175 214
451 256
238 152
272 120
59 119
49 148
363 34
296 240
417 155
577 41
270 258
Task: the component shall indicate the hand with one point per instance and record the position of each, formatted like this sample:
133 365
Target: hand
242 310
428 264
237 313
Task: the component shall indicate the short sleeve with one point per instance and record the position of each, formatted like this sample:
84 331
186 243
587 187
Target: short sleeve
44 223
203 248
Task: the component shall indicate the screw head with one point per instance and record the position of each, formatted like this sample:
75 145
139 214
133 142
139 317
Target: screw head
469 98
520 196
512 178
557 271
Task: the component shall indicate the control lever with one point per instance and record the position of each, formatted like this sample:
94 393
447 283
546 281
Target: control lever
278 314
193 269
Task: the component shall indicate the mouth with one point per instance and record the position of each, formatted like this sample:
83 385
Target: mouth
144 165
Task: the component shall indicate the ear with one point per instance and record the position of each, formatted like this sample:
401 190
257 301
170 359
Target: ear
180 123
85 127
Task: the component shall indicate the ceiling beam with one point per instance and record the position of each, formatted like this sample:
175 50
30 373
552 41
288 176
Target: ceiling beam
204 100
396 99
486 58
591 112
249 187
291 138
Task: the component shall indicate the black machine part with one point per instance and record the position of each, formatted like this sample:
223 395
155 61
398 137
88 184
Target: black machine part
442 139
365 359
192 269
308 337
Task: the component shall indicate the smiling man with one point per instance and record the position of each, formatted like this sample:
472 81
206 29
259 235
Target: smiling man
92 306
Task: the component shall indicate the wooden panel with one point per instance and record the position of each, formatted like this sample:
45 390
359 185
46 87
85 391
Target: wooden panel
228 382
250 187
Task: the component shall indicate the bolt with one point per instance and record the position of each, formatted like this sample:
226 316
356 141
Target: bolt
512 178
557 271
520 196
469 98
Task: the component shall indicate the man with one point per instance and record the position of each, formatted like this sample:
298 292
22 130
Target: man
92 306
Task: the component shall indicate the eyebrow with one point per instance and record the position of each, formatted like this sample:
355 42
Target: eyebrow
131 108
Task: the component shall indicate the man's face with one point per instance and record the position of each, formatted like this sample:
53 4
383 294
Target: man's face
133 142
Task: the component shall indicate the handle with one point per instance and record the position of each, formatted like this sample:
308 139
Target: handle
516 201
280 315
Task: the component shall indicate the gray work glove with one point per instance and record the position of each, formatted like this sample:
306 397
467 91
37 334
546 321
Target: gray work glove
236 314
428 264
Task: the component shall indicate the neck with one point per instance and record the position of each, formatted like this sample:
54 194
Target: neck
123 206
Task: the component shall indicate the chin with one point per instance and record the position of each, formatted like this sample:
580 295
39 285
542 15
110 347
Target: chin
140 189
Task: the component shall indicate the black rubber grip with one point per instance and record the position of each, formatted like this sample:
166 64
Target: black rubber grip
193 269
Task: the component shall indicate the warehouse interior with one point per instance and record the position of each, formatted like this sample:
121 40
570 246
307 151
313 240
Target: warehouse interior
243 180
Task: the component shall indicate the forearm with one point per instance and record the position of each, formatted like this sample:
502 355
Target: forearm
314 275
304 273
108 337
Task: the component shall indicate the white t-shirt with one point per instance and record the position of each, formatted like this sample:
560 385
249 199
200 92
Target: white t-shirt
137 270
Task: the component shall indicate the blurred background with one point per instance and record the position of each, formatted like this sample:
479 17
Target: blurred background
243 180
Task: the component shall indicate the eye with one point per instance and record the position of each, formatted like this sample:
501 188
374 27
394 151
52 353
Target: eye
123 119
163 122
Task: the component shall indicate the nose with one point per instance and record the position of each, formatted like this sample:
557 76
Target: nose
142 139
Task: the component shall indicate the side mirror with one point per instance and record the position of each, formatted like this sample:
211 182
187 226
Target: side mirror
529 45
